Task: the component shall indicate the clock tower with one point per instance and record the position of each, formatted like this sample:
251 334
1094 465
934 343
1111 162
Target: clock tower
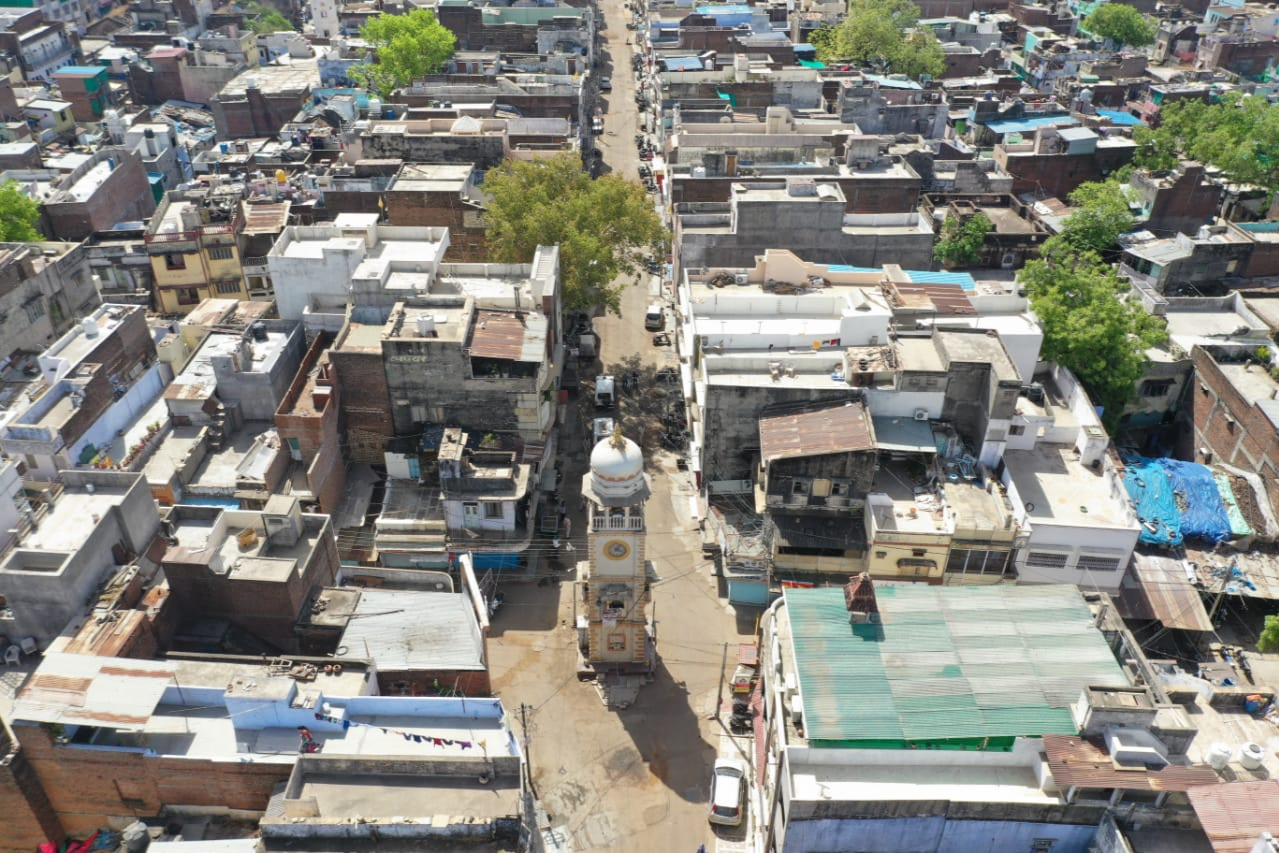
616 592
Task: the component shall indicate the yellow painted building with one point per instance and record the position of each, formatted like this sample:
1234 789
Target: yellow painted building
193 258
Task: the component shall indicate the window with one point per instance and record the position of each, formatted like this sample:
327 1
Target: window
1017 429
799 487
175 262
492 509
188 296
221 253
1156 387
821 488
1098 564
617 642
837 489
1042 845
228 287
34 309
1046 560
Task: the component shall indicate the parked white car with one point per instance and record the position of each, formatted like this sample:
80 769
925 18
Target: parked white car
728 792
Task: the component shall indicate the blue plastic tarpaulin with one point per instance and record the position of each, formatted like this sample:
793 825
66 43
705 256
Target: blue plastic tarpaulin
1203 515
1151 492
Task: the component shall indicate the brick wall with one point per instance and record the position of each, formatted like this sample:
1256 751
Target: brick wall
1060 174
441 210
316 432
89 788
423 682
1231 427
29 819
365 404
889 195
126 194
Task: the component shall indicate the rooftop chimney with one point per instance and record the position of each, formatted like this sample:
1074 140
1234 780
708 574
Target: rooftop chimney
859 598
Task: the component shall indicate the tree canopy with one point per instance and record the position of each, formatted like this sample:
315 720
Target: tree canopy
881 33
1239 135
1268 639
961 240
18 215
603 226
1100 215
407 48
263 18
1090 325
1121 24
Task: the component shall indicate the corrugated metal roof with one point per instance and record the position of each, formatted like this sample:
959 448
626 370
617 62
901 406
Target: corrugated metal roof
414 630
1086 763
265 218
905 434
948 299
1157 589
838 429
1235 814
85 690
963 279
508 336
946 662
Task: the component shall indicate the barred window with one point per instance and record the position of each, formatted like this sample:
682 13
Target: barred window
1099 564
1046 560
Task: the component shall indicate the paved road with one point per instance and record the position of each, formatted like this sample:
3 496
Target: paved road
634 779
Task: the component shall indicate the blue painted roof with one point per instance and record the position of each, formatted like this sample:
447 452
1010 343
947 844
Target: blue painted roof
724 10
1121 118
963 279
1023 125
86 70
890 83
1260 227
683 63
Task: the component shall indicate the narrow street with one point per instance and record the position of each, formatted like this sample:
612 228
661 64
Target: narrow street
634 778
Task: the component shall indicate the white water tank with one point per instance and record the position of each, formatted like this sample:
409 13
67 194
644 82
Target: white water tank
425 325
90 327
1251 756
375 107
1219 756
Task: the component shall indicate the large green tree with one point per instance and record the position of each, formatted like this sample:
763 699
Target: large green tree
882 34
18 215
1238 134
603 226
1100 215
266 19
961 240
406 47
1122 24
1090 323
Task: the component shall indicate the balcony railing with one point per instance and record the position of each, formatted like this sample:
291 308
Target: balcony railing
616 522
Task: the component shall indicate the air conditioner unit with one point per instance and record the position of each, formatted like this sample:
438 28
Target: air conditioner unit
1021 541
921 414
739 278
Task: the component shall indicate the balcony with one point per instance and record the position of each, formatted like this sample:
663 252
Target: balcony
602 523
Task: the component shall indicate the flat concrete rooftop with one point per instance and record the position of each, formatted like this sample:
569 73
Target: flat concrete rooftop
390 796
1057 488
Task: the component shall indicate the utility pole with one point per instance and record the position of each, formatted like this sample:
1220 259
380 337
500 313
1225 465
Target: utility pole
719 694
526 740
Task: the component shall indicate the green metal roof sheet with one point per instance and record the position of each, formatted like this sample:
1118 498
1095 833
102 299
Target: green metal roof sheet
946 663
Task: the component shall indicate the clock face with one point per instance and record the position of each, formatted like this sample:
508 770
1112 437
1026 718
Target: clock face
616 549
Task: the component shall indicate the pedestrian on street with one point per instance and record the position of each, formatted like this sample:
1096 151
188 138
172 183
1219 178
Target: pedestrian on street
568 527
